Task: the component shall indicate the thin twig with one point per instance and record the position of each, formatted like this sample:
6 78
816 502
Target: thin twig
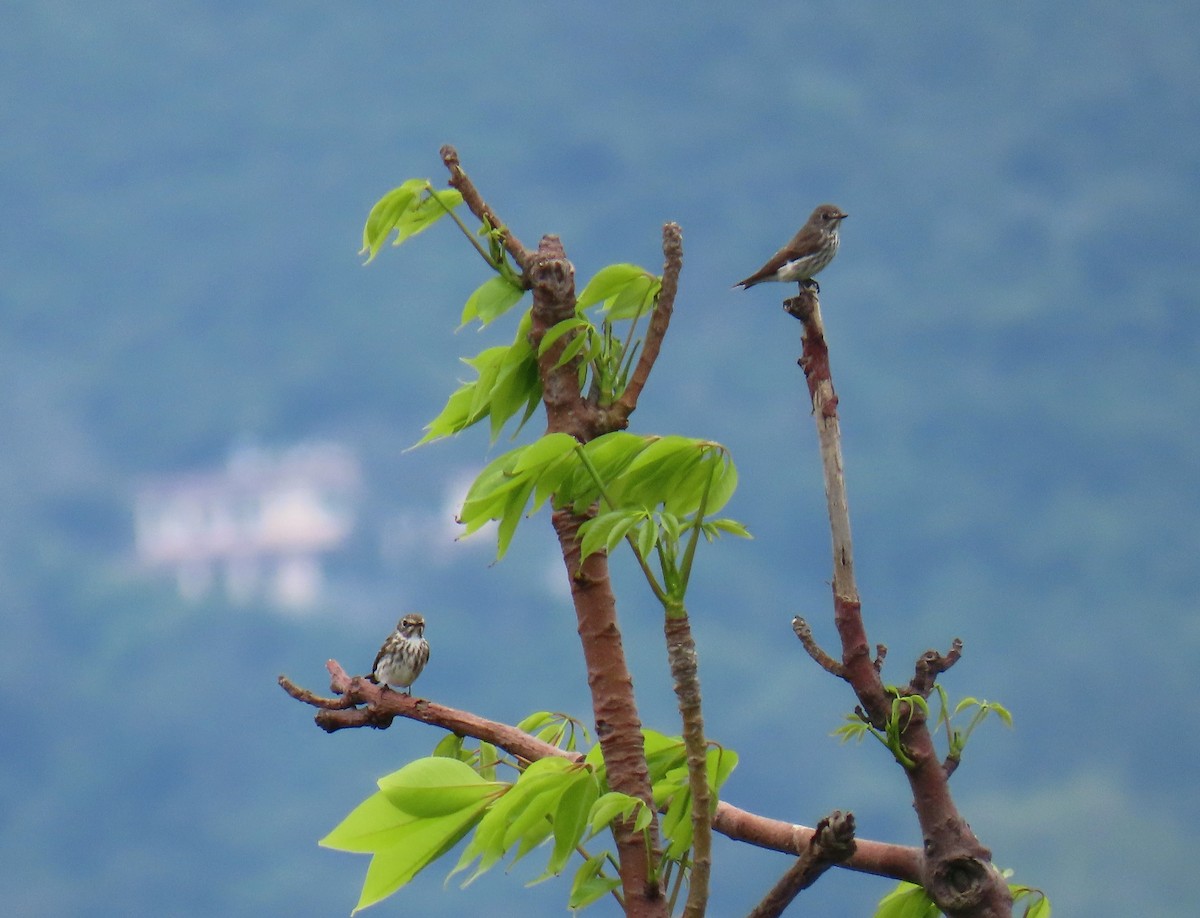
824 660
479 207
659 322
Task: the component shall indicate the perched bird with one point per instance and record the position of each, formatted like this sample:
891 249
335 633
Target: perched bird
810 250
403 655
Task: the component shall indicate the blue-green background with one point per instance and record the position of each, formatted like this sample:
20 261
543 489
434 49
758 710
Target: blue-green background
1013 318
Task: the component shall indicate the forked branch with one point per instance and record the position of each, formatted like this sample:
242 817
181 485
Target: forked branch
958 873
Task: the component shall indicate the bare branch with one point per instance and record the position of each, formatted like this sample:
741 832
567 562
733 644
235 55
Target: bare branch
958 873
824 660
479 207
681 652
659 322
930 665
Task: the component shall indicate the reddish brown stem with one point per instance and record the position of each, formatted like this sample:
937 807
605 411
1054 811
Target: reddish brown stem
660 320
958 872
479 207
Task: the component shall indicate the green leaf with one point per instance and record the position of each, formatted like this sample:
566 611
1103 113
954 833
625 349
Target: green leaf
663 754
907 900
514 508
450 746
646 537
417 845
491 299
543 451
855 728
721 763
436 786
1039 909
434 206
608 282
518 816
386 213
571 818
733 527
373 824
588 886
471 402
607 530
1003 713
677 823
575 323
614 805
488 758
537 720
637 297
516 381
571 351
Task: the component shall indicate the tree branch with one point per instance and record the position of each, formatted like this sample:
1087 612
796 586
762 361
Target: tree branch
480 208
681 653
820 657
958 872
660 320
362 703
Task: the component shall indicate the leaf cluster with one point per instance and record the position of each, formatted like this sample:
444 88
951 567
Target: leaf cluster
507 375
903 708
407 210
423 810
646 488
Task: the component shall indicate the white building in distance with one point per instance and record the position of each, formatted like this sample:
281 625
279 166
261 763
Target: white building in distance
257 528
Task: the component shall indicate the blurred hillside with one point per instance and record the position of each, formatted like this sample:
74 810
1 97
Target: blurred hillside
1014 330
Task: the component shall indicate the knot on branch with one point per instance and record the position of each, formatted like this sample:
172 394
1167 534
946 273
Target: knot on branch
961 883
552 277
803 306
932 664
832 843
834 837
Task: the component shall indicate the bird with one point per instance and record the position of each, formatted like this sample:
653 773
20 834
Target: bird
809 251
403 655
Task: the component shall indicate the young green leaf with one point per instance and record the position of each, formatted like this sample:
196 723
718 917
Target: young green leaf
450 746
434 206
566 326
588 885
605 532
615 805
373 824
416 846
907 900
721 763
636 298
435 786
608 282
491 300
570 819
386 213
